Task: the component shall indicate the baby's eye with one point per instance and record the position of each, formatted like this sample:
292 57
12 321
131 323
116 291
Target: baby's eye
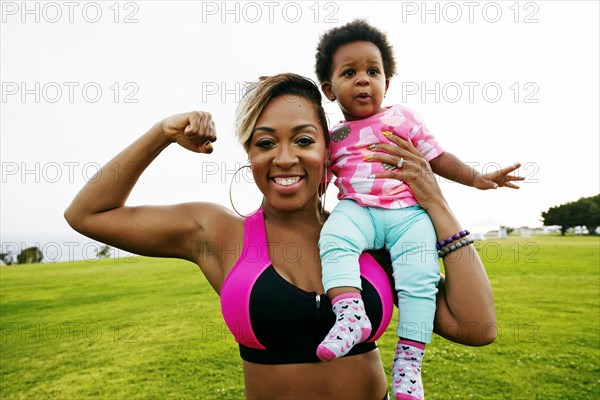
265 144
349 73
373 71
305 141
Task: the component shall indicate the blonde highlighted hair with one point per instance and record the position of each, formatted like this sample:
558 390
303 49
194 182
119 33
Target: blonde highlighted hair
258 95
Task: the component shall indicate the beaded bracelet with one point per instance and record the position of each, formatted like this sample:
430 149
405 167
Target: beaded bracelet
447 250
452 238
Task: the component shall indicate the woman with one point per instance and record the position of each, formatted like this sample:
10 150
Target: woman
283 128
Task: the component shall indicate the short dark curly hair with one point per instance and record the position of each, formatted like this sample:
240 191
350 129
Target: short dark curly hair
356 31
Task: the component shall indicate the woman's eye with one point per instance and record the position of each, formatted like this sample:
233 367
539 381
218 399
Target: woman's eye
349 74
305 141
264 144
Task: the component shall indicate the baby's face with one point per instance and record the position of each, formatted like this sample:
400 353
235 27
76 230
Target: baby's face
358 79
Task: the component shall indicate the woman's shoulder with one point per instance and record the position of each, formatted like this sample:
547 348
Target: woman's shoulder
218 241
216 222
214 209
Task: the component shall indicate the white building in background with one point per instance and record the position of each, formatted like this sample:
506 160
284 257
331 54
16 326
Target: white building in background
525 231
488 228
579 230
551 229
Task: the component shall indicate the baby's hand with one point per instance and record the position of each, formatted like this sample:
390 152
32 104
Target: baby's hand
493 180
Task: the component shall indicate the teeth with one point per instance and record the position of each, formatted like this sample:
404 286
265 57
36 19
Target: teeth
287 181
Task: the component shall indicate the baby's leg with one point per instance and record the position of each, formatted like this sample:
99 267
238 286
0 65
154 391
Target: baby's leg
352 326
406 370
346 234
415 262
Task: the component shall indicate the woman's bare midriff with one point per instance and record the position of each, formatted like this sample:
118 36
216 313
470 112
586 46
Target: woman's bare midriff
359 377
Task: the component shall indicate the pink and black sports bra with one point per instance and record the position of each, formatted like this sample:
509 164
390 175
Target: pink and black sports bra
274 321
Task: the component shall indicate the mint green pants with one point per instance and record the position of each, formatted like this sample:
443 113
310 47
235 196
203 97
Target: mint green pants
408 235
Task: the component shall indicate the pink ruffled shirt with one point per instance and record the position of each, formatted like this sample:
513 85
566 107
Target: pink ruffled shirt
349 142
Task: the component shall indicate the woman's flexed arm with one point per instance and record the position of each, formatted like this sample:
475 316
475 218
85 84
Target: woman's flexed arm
99 212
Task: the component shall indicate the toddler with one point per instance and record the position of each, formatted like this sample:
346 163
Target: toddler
354 66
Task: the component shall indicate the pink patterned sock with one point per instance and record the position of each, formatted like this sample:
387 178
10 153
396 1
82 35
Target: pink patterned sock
352 326
406 371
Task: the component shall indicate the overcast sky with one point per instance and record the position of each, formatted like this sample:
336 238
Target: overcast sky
496 82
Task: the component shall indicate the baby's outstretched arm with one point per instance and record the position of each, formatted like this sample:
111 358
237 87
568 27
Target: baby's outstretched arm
448 166
500 178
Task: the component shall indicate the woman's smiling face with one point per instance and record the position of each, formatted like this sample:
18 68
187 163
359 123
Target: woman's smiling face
288 153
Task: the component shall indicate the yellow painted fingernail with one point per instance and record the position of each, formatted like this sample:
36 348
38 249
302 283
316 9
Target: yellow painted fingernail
386 133
371 147
368 157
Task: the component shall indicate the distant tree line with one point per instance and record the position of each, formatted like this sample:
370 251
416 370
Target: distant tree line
583 212
32 255
27 256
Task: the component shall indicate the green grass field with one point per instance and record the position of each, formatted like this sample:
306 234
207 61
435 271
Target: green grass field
147 328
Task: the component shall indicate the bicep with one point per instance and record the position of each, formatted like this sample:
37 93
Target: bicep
445 324
157 231
448 326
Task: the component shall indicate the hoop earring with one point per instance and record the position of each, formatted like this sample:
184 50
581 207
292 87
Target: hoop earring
322 202
231 196
324 184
